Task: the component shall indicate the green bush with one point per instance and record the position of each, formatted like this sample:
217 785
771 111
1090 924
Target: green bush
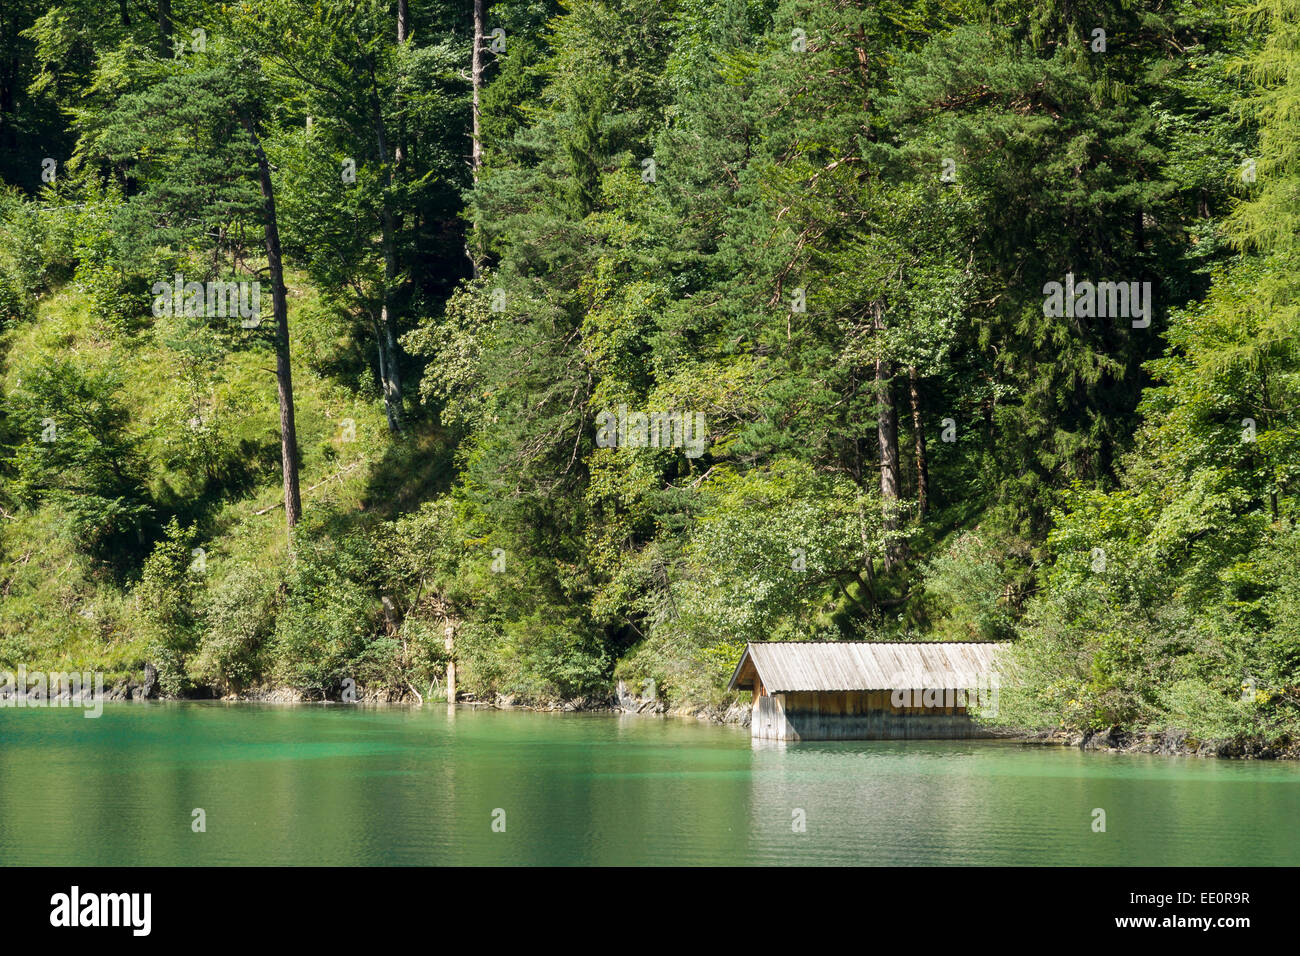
16 303
38 240
239 618
968 589
165 596
330 613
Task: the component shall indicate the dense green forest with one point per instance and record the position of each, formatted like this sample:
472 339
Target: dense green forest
591 340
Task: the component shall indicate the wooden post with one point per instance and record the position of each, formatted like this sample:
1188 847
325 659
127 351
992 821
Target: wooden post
449 644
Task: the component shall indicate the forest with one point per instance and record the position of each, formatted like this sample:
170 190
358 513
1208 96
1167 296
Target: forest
581 342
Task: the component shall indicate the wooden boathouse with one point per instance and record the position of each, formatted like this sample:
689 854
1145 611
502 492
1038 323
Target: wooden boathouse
859 690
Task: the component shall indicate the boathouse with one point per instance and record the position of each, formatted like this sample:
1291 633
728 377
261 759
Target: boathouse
859 690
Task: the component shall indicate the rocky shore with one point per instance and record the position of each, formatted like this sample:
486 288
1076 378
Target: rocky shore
621 701
624 702
1113 739
1166 743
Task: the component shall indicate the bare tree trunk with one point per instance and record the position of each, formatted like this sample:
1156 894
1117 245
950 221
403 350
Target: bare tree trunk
387 318
403 31
393 376
165 28
887 439
381 354
922 470
476 79
283 371
388 368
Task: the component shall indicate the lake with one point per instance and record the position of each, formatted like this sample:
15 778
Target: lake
355 785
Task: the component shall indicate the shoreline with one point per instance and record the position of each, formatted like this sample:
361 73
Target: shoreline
1168 743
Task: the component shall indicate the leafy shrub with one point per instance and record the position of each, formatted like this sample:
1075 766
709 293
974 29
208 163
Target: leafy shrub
16 304
78 452
239 618
165 596
330 613
38 239
969 589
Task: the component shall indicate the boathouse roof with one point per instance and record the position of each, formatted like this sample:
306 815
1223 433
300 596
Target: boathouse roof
862 665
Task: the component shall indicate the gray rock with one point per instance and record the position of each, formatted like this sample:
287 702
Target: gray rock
1108 739
738 713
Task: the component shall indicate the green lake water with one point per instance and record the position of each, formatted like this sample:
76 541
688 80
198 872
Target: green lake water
351 785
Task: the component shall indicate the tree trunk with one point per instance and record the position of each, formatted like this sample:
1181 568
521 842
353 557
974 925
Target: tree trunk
403 31
887 434
922 470
283 371
393 374
887 439
476 144
165 28
476 77
381 357
387 318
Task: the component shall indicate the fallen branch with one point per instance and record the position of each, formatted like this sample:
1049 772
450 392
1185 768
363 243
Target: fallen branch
339 475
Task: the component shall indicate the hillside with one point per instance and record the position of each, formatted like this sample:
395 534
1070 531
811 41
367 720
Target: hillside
632 331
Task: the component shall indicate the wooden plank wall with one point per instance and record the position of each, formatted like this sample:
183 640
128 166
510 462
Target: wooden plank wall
856 715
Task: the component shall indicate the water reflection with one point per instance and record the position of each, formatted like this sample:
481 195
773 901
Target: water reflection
383 785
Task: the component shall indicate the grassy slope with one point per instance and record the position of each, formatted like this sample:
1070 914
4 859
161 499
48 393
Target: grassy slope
57 609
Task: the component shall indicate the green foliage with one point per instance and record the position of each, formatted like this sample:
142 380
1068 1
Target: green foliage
166 596
15 303
325 631
36 248
1163 600
77 452
453 345
970 591
826 228
239 619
